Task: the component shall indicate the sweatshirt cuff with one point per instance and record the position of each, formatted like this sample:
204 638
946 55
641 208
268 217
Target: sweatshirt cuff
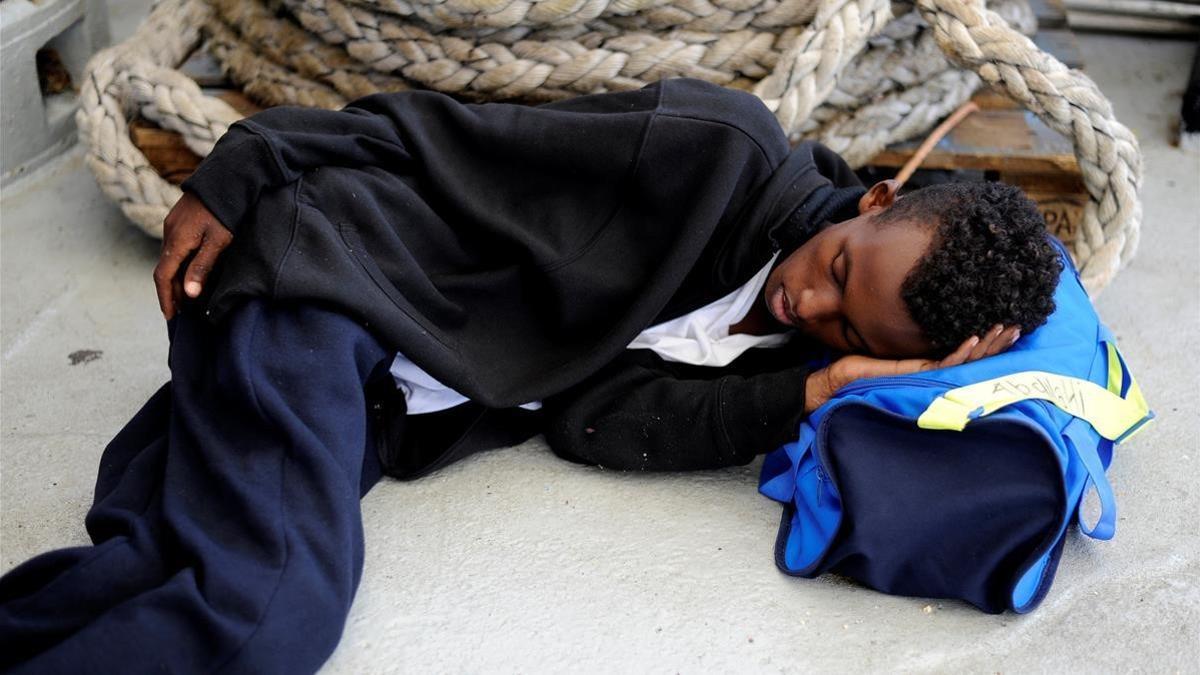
766 413
230 180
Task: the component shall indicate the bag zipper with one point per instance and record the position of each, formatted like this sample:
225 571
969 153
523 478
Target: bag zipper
893 381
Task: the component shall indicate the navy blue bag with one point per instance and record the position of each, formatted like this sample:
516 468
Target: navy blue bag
962 482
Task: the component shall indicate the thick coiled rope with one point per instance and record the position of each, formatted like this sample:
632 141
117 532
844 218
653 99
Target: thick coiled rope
1069 102
835 70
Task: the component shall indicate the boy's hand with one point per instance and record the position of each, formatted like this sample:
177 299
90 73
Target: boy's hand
822 384
189 230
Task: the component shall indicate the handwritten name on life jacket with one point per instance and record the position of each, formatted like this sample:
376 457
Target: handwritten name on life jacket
1063 392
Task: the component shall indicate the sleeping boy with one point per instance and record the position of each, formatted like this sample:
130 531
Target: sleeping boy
642 276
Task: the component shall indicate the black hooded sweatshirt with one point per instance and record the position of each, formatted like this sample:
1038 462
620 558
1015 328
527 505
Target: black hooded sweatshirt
513 253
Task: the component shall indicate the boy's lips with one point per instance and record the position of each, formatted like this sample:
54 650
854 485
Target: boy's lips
781 307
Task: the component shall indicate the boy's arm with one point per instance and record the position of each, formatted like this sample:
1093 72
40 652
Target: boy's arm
449 145
266 150
642 413
489 157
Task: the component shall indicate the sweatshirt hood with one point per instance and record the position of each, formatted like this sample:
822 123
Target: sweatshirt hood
813 187
809 189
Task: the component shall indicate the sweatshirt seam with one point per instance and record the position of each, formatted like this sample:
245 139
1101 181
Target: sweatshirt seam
762 151
625 181
259 133
287 251
721 423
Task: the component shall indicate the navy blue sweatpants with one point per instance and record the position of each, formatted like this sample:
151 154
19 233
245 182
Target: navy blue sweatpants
226 522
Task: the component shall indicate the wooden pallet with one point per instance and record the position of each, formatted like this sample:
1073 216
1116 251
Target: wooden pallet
1003 141
165 150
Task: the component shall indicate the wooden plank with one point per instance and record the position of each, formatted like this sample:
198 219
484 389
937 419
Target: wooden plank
1063 212
1002 136
1061 198
1005 140
991 99
165 150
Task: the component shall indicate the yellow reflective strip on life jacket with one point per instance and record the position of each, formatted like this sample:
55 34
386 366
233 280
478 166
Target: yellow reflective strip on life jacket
1114 369
1107 412
1116 365
1134 395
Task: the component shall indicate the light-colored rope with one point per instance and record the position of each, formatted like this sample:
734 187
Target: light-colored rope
875 85
861 133
835 70
797 65
130 77
253 40
698 15
810 67
1070 103
266 80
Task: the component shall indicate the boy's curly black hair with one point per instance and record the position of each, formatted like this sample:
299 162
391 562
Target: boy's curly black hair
990 261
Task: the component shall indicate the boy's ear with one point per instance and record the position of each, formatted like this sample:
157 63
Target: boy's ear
880 196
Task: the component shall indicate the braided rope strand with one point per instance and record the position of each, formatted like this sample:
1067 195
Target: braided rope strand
114 77
834 70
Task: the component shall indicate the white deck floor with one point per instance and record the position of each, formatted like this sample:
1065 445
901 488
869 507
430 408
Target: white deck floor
516 561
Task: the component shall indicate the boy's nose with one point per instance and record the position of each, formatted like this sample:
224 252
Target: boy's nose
814 306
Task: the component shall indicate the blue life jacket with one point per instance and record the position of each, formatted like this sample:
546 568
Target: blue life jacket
961 482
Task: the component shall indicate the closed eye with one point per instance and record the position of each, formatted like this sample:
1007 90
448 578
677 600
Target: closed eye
841 284
850 334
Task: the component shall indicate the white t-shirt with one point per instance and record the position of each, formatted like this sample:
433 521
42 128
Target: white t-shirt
700 338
